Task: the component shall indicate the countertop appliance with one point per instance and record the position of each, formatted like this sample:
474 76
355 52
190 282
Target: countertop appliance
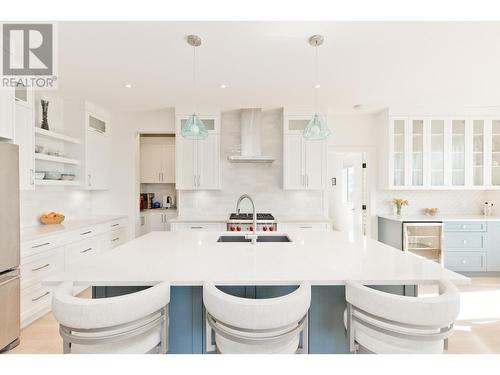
243 222
424 239
10 311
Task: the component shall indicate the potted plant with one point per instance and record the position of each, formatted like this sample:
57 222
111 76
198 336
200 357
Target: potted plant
399 202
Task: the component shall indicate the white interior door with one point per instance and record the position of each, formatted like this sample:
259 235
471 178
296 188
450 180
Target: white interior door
294 174
151 162
24 138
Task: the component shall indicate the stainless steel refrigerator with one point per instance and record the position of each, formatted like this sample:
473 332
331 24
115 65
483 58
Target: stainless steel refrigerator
10 320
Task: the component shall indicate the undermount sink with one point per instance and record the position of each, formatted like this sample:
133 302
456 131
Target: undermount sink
263 238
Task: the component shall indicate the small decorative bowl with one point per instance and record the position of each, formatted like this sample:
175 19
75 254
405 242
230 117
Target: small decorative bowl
52 220
431 211
52 175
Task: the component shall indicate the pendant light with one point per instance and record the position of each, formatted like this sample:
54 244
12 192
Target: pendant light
316 129
194 128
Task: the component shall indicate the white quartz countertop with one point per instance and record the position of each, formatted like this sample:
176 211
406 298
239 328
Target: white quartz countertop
39 231
224 218
440 218
190 258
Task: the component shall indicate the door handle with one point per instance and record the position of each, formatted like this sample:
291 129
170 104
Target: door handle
40 297
41 245
41 267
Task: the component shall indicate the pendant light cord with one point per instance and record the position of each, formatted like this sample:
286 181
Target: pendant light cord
194 78
316 80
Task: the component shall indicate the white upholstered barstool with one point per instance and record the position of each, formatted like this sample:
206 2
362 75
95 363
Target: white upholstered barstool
258 326
128 324
385 323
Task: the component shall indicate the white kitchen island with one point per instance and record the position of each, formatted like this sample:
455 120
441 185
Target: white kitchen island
263 270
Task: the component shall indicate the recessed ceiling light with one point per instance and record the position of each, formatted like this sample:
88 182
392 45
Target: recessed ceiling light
317 86
223 86
128 85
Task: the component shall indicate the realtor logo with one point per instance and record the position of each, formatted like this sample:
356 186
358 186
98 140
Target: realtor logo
28 55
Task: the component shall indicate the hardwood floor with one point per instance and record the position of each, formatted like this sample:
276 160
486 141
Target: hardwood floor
477 330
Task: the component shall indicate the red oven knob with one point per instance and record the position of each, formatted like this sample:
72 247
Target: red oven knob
238 228
231 228
271 229
251 228
264 228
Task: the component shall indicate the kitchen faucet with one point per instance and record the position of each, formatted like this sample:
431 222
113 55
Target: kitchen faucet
252 236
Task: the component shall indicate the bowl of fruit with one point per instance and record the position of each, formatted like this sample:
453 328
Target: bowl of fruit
52 218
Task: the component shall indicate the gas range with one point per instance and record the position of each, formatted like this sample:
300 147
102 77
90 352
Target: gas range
243 222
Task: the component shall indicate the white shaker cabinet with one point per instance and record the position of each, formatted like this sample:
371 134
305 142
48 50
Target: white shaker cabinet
96 152
157 160
197 162
304 161
7 109
24 137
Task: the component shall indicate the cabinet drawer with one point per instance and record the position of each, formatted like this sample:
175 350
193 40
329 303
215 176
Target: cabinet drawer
175 227
82 250
112 225
40 246
314 227
35 298
465 261
36 267
465 226
115 238
465 241
85 233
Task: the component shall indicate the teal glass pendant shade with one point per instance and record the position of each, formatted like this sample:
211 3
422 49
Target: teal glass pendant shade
194 128
316 129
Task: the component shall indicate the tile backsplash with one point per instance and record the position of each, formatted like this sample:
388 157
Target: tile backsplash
71 203
452 202
262 181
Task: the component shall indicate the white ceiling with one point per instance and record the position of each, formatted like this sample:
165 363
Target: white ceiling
270 64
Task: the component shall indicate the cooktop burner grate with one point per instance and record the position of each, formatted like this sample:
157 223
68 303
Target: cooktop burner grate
249 216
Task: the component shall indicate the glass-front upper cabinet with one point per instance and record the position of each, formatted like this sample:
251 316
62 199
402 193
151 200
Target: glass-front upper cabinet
478 154
399 150
437 154
417 152
495 152
458 152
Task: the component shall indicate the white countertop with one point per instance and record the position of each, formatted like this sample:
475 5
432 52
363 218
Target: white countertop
440 217
39 231
190 258
224 218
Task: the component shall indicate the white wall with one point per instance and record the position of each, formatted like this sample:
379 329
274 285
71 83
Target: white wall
123 194
262 181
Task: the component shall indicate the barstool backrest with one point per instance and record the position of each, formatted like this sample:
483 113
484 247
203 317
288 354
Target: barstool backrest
132 323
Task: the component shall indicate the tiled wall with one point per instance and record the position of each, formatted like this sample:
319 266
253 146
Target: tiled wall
453 202
262 181
72 203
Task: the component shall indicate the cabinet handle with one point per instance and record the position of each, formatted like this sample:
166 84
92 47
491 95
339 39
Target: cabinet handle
88 180
142 220
306 227
199 179
39 297
31 177
307 180
196 227
115 225
43 244
115 239
84 233
86 250
161 176
194 180
41 267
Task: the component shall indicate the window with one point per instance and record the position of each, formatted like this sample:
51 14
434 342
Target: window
348 184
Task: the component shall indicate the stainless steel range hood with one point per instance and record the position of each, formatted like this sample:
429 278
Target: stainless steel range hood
250 138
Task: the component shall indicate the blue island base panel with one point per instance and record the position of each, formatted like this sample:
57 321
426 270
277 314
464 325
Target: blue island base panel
187 315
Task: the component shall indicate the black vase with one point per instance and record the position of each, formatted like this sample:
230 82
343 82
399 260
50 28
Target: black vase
45 108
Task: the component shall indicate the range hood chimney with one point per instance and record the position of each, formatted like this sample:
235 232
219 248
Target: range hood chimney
250 138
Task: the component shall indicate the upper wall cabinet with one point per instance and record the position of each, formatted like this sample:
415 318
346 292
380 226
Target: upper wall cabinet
7 109
304 162
157 160
198 162
459 152
96 151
